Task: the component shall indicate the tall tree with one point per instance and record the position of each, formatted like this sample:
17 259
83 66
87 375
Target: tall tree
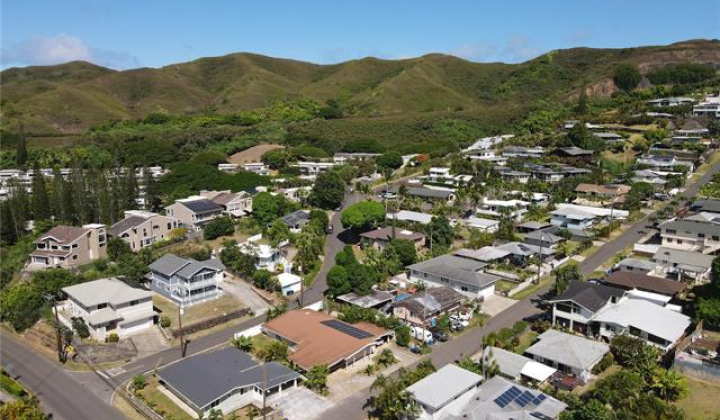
67 195
22 153
57 193
152 199
8 229
129 190
328 191
41 200
19 202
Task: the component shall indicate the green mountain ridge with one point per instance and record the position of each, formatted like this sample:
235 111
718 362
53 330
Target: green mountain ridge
67 99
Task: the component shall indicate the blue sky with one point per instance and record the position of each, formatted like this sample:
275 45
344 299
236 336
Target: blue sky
129 33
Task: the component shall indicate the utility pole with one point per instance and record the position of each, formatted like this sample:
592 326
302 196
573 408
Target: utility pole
539 266
182 333
58 336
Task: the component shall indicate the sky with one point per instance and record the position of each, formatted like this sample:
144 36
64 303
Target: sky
125 34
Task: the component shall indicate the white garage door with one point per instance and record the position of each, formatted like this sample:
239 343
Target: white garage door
136 326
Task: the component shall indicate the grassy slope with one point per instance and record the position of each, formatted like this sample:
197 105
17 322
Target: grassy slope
71 97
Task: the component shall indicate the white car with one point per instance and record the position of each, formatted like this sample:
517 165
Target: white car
418 333
459 320
465 315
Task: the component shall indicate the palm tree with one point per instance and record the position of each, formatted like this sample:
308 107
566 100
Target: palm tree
243 343
668 385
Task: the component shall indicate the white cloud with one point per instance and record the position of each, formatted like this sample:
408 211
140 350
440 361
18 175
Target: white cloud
62 48
519 48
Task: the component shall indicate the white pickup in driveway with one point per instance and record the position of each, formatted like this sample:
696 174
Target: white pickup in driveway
242 291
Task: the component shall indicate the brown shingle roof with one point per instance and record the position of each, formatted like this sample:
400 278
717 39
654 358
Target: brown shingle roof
223 198
63 234
317 343
603 189
628 280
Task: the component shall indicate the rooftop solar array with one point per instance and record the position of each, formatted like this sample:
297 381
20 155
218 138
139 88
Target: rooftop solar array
514 394
347 329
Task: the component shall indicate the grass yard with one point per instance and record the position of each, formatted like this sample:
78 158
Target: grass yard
238 236
11 386
202 311
702 402
526 340
253 154
505 285
160 402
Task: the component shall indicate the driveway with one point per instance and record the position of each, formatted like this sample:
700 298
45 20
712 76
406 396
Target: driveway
149 342
300 404
494 304
242 291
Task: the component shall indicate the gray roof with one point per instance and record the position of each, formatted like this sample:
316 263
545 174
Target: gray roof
646 316
296 217
685 258
637 263
170 264
590 296
534 225
509 363
433 300
423 192
484 407
569 350
110 290
440 388
690 229
203 378
544 237
575 151
201 206
524 250
375 298
125 224
463 270
712 206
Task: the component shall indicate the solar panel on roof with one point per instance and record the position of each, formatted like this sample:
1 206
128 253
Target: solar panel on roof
524 398
540 398
502 401
513 392
346 329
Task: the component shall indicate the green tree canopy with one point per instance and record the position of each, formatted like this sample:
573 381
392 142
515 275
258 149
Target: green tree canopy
626 77
328 191
363 216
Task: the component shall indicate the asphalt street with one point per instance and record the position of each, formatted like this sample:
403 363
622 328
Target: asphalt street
60 394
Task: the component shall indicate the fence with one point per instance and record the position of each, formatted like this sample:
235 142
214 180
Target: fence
704 371
209 323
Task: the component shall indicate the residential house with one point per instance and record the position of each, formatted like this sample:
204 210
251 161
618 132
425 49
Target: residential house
531 226
69 247
267 257
575 154
257 168
381 237
709 206
465 275
319 339
230 168
575 308
140 229
510 175
226 380
376 299
486 143
193 212
455 393
185 281
424 308
516 367
656 325
670 102
568 353
628 280
710 106
341 158
523 152
411 216
573 216
442 176
483 225
683 264
657 179
312 169
296 194
486 156
544 173
290 284
426 194
541 238
635 265
296 220
664 163
691 235
237 204
515 209
601 195
609 137
110 306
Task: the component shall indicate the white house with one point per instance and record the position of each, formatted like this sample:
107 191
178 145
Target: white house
185 281
266 256
710 107
314 168
290 284
257 167
110 306
516 208
466 275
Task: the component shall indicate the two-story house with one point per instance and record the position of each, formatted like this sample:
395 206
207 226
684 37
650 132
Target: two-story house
691 234
575 308
193 212
682 264
109 306
515 209
601 195
237 204
140 229
465 275
185 281
69 246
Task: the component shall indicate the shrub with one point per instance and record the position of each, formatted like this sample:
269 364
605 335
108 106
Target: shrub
113 338
81 329
165 322
603 364
139 382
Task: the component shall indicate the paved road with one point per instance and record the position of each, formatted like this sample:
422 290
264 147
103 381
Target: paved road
60 394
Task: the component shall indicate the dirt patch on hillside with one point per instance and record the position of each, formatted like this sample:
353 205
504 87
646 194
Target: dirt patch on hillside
252 154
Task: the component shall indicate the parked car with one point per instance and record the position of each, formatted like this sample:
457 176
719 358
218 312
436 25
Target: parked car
456 326
441 336
415 349
465 315
457 319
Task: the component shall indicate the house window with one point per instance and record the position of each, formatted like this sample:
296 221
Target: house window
444 280
679 241
464 288
716 238
134 302
102 305
701 235
75 257
670 231
169 226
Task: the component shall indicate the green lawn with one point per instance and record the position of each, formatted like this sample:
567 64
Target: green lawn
199 312
526 340
702 402
11 386
160 402
505 285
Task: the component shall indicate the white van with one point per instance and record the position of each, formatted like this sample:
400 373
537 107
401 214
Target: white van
418 333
